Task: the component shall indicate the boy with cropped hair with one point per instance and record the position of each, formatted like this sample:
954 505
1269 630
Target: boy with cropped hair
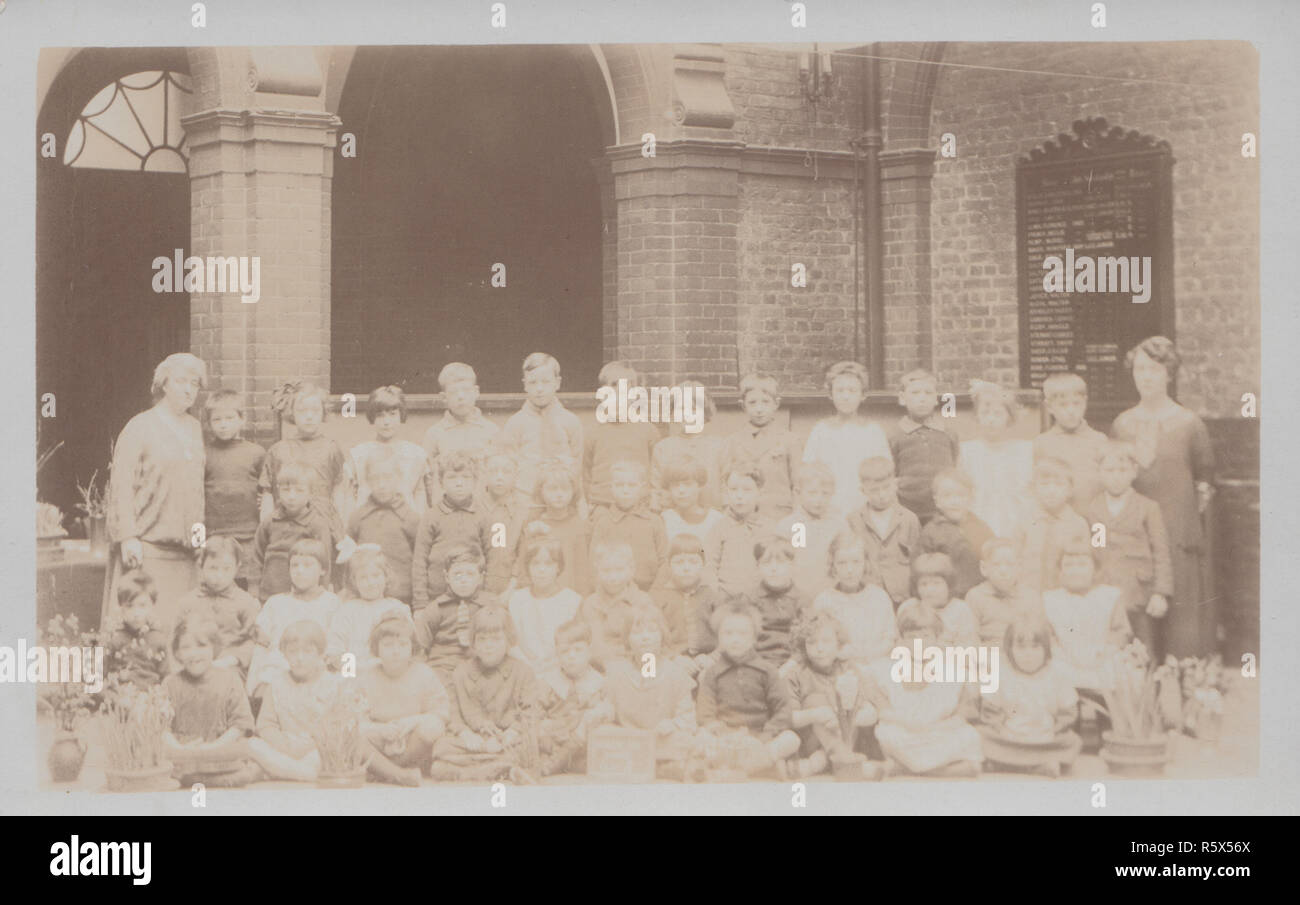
463 426
766 443
1070 438
542 428
921 443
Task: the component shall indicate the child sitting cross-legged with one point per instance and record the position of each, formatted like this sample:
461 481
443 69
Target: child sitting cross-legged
293 706
221 600
493 693
825 688
1026 723
408 706
366 604
571 702
743 707
921 725
210 713
652 690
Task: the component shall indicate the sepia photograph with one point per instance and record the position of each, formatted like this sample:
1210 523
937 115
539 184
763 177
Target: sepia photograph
646 413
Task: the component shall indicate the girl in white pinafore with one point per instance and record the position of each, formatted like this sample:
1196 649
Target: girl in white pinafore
999 464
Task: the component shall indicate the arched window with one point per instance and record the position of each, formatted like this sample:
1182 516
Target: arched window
133 123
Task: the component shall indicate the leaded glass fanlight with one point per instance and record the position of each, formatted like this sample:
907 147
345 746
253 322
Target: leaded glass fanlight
132 124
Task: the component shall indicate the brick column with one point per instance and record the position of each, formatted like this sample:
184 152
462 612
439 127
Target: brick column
260 186
677 215
905 179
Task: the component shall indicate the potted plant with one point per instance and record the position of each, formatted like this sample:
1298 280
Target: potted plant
49 529
342 750
68 702
135 721
1204 684
94 508
1136 743
49 518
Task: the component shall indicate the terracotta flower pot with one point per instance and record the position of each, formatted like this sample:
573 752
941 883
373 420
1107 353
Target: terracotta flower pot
67 755
1135 756
149 779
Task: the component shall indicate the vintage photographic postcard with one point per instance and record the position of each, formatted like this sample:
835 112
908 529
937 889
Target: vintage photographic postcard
580 415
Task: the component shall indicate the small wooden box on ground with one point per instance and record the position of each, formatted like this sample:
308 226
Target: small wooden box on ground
621 755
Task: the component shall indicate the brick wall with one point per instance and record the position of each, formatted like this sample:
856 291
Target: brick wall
1208 97
795 333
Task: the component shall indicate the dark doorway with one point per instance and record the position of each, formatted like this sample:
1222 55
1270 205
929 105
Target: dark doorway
466 157
100 328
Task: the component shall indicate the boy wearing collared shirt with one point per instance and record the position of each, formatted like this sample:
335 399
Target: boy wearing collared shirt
458 517
775 450
543 428
921 444
743 692
890 531
463 427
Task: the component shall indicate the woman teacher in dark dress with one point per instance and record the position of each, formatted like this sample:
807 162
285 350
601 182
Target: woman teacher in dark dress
1175 468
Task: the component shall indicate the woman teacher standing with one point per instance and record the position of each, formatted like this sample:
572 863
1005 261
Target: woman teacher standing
1175 468
156 491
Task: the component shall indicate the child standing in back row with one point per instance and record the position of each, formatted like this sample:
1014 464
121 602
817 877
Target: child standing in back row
303 406
231 468
543 429
773 449
463 426
386 410
844 440
999 465
611 442
1070 438
921 444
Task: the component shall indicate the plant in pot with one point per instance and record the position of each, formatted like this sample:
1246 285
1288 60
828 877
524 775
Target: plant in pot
1204 685
135 721
69 702
338 738
1136 743
49 518
94 509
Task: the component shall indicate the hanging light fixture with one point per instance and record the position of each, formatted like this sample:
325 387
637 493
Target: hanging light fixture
815 76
